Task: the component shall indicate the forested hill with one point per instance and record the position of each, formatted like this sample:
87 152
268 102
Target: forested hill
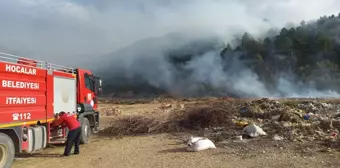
300 61
309 52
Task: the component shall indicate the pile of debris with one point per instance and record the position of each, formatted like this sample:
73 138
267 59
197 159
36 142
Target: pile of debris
224 119
285 119
287 110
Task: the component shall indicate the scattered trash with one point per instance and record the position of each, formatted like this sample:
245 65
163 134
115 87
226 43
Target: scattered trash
277 138
334 134
241 123
287 124
326 105
276 117
244 109
306 117
196 144
238 137
293 119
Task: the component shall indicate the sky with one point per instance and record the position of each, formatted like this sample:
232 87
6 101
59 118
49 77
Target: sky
74 32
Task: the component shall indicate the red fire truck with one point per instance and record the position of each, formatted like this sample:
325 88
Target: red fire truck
32 93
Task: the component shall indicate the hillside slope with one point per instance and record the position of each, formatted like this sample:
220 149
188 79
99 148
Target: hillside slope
301 61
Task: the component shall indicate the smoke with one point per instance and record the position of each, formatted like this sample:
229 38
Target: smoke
184 64
128 42
236 79
74 32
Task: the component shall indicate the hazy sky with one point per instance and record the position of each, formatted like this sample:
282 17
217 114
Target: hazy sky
73 31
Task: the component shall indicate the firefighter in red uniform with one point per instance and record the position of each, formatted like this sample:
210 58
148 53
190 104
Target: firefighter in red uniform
73 137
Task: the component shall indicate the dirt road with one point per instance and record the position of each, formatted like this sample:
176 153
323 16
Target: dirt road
166 151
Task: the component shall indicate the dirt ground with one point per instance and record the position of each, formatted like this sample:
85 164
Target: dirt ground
168 150
165 150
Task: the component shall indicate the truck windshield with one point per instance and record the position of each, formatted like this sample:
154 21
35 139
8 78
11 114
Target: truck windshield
93 83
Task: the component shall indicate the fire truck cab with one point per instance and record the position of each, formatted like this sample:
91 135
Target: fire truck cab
32 93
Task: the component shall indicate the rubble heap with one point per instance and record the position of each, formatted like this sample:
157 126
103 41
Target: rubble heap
280 119
291 119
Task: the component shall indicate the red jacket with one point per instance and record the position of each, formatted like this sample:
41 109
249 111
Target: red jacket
70 121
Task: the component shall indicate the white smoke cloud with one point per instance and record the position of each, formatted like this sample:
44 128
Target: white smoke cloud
82 33
75 31
237 79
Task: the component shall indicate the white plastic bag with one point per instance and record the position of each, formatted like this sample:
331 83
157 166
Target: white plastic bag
254 131
196 144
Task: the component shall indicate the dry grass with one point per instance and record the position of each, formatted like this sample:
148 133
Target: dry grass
194 116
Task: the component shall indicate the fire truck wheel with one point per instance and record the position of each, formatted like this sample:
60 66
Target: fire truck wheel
6 151
85 130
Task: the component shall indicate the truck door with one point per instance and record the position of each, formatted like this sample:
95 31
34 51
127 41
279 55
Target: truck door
89 91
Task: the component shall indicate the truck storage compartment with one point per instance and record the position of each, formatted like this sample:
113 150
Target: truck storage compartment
65 94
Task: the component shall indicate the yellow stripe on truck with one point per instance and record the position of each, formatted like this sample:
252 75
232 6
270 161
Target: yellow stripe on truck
25 123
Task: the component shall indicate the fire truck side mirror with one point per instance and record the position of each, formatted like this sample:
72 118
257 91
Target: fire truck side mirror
98 85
